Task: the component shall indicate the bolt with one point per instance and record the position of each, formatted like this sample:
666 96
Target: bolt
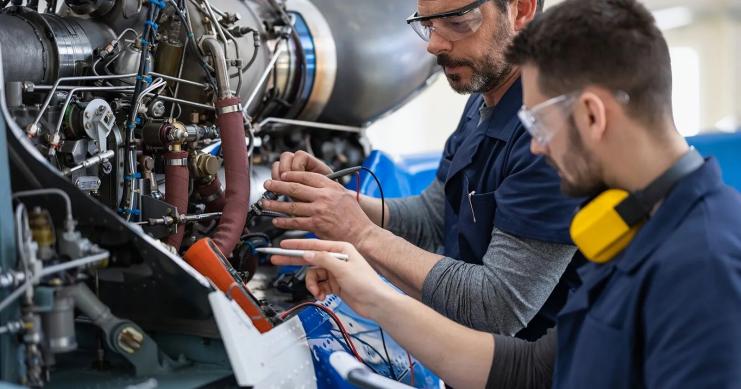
101 109
87 115
130 340
88 125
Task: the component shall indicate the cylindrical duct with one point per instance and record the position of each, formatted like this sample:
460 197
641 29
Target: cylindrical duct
176 189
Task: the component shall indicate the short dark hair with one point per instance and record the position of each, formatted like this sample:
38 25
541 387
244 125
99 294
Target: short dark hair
503 4
614 44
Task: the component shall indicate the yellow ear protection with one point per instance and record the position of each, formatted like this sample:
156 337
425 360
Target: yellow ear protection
607 224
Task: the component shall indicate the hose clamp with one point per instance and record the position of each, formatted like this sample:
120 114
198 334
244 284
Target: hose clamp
177 162
229 109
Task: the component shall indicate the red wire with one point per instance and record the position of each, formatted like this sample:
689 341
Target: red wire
411 369
334 317
357 186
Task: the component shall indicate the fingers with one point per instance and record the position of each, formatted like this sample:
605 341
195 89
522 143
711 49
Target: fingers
314 180
317 245
320 283
303 161
280 260
290 208
284 165
293 190
294 223
275 170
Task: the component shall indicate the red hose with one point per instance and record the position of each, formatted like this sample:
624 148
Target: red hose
237 171
176 190
212 195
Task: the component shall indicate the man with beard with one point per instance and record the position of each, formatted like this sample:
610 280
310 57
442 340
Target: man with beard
660 306
490 233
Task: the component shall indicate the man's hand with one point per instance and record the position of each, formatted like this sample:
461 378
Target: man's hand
300 161
354 281
319 205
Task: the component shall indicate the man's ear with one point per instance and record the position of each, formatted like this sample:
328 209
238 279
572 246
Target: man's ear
525 11
591 117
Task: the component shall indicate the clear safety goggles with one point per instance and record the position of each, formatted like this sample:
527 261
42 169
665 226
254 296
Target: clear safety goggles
536 119
452 25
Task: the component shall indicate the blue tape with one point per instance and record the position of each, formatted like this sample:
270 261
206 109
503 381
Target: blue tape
147 79
152 24
159 3
132 177
124 211
144 42
138 120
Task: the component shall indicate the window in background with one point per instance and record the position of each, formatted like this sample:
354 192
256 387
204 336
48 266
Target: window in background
686 91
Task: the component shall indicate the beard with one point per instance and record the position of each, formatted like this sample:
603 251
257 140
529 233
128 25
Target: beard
586 179
486 73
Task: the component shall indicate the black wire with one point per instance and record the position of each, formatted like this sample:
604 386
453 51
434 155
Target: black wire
380 190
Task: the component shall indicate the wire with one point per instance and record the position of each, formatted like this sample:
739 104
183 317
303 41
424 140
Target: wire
357 187
380 190
388 357
336 320
411 369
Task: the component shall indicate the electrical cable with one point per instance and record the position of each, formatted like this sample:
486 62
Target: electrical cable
333 316
411 369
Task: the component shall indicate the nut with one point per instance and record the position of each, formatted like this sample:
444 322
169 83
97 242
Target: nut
130 340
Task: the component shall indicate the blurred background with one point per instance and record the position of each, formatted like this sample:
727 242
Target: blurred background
704 37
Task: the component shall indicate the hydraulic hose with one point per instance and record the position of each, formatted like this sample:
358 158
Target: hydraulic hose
212 195
176 189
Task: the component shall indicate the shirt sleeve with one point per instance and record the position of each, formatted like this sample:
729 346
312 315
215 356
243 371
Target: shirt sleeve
529 200
420 219
504 293
521 364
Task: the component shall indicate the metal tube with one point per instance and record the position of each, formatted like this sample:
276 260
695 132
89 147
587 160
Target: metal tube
79 78
49 191
186 102
90 162
82 89
263 78
222 74
180 75
178 79
82 262
324 126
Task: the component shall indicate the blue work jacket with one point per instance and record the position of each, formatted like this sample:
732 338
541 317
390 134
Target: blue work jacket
493 180
667 311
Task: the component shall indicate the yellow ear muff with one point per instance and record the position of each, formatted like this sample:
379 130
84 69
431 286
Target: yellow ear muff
599 231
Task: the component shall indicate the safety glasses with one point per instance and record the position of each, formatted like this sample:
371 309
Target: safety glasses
536 119
452 25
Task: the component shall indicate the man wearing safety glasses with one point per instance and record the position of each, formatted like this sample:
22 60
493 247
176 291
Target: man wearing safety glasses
490 234
663 309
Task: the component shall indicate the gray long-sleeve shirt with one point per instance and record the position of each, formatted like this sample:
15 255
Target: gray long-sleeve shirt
521 364
504 293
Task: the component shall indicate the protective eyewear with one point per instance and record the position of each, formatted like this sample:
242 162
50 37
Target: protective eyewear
534 119
452 25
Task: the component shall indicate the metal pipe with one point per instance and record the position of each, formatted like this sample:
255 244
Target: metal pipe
78 78
222 74
215 22
263 78
92 161
185 102
82 262
50 191
324 126
180 75
178 79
